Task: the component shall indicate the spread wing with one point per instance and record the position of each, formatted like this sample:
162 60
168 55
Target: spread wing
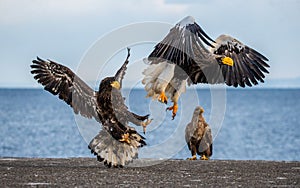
182 44
121 72
60 80
120 109
186 46
122 112
249 66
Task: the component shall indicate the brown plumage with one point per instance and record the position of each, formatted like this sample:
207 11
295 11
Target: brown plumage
198 136
117 143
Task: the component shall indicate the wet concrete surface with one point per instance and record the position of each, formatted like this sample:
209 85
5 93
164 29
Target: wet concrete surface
87 172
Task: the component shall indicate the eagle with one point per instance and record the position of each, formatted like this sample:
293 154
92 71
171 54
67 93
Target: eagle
198 136
187 55
117 143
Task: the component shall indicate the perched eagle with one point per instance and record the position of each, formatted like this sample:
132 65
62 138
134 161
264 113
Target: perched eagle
117 143
187 55
198 136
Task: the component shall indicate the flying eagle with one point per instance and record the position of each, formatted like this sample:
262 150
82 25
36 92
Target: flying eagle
117 143
198 136
187 55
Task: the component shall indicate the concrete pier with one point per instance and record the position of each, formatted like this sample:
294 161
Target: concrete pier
87 172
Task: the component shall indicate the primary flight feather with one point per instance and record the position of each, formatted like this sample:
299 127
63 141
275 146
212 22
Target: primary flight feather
187 55
117 143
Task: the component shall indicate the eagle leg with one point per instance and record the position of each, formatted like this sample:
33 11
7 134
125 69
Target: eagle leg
125 138
204 157
163 98
174 109
145 123
194 157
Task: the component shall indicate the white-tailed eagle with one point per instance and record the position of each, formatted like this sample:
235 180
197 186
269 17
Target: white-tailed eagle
198 136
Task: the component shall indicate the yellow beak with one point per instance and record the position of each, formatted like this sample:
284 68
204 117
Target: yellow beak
115 84
227 61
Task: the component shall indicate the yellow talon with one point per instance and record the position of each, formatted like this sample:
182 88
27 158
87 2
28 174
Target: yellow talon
227 61
192 158
204 157
125 138
163 98
174 109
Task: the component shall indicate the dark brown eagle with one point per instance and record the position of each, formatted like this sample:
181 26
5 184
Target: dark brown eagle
198 136
117 143
187 55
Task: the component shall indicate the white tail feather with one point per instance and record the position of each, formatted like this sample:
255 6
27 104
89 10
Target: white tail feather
111 151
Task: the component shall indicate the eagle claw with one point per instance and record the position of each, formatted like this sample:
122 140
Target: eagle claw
125 138
144 124
163 98
204 157
174 109
194 157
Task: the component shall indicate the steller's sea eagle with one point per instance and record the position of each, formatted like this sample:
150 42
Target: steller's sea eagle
198 136
117 143
187 55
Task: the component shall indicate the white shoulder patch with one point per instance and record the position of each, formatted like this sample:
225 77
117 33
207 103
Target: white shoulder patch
186 21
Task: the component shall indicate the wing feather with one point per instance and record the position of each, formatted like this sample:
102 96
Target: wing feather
185 46
181 45
249 65
121 72
60 80
207 141
238 76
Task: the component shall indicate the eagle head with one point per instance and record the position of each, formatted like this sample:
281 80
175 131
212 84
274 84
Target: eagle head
109 82
198 110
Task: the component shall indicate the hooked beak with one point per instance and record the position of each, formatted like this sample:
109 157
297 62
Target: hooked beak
116 84
227 61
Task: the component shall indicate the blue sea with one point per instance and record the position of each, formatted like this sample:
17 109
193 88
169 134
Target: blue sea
247 124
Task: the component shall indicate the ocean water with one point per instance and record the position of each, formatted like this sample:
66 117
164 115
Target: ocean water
247 124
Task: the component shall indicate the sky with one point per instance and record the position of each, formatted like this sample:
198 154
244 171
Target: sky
67 30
